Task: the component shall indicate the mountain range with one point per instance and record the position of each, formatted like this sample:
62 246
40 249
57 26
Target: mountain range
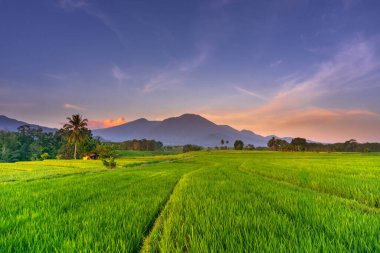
185 129
8 124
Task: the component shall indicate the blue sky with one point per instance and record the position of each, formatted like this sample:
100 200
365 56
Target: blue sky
289 67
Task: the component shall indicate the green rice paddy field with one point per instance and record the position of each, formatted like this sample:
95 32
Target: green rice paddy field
220 201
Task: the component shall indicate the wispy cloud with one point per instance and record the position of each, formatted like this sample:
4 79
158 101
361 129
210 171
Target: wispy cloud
74 107
297 109
276 63
353 62
89 9
250 93
118 74
162 81
176 75
198 60
61 77
93 124
55 76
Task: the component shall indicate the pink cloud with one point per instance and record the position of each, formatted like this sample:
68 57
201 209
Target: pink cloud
328 125
296 109
74 107
93 124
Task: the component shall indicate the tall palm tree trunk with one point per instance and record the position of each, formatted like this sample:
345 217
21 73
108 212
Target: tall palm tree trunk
75 151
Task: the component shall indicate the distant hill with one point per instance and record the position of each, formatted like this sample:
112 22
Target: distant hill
185 129
8 124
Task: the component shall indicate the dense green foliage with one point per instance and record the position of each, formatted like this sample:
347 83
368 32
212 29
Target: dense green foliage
221 201
190 147
279 144
29 144
301 144
238 145
348 146
140 145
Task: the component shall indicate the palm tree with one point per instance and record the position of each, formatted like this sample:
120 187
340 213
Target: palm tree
76 128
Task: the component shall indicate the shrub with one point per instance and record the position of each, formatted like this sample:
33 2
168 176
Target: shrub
44 156
249 147
110 163
238 145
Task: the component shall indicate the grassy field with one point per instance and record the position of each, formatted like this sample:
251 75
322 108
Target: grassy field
223 201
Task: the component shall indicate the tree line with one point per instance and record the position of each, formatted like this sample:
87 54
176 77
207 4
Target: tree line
140 145
73 140
301 144
28 144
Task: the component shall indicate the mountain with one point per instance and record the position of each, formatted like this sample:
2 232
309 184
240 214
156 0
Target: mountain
185 129
8 124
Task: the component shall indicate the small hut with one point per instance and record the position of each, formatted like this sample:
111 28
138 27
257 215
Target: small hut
91 156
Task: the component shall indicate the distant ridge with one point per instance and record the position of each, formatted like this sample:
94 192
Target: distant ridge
185 129
11 125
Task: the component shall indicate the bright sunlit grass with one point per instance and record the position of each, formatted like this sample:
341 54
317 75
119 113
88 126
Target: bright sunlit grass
199 202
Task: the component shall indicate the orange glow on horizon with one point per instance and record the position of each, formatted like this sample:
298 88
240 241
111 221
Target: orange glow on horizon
106 123
325 125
